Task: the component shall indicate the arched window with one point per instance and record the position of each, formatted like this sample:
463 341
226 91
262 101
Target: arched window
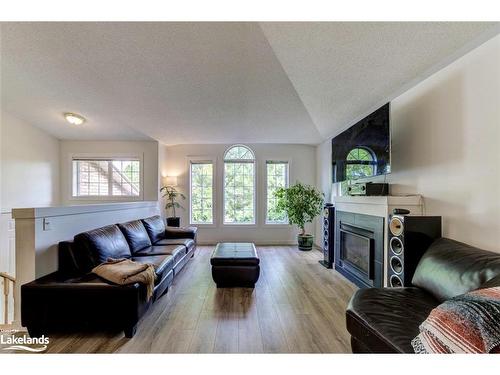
361 162
239 185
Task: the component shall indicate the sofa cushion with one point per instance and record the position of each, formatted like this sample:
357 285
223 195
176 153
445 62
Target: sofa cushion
73 261
491 283
103 243
155 227
450 268
188 243
387 319
136 235
163 264
177 251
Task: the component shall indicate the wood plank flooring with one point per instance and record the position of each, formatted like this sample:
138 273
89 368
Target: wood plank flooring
297 306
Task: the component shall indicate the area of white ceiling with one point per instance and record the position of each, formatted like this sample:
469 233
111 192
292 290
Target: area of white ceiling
341 70
214 82
174 82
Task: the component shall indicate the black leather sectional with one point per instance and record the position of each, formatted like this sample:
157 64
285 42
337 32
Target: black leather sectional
385 320
74 299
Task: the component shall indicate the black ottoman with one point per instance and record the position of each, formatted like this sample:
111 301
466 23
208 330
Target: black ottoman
235 265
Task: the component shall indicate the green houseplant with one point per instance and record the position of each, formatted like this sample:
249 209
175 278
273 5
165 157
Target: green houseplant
301 203
172 194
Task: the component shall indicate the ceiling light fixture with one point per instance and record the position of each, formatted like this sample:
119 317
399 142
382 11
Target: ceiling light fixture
74 119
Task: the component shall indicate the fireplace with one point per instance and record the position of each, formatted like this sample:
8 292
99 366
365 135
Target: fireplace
359 248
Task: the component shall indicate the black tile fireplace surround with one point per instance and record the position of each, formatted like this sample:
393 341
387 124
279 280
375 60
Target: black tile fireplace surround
359 248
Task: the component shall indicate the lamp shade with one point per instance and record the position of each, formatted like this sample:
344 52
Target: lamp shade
171 180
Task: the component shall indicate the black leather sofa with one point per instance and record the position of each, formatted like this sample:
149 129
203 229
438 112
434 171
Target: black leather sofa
385 320
74 299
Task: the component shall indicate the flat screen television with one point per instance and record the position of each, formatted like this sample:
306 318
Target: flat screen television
363 150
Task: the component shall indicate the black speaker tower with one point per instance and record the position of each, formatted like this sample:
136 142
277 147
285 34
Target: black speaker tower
409 238
328 235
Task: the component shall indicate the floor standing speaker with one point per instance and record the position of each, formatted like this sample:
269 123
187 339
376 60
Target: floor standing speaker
409 238
328 235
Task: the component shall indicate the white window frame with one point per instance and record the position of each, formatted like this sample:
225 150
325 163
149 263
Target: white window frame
275 161
249 161
105 156
203 160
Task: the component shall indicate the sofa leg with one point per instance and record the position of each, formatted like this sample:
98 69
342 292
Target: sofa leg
130 331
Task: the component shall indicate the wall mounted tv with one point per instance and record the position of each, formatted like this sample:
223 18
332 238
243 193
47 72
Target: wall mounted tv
363 150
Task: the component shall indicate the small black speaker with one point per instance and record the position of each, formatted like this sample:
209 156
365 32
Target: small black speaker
328 235
409 238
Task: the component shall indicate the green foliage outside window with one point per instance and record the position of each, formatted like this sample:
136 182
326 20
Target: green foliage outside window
239 193
277 177
239 185
201 193
354 171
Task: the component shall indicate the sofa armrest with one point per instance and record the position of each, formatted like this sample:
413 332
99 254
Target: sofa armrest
58 280
59 291
187 232
54 301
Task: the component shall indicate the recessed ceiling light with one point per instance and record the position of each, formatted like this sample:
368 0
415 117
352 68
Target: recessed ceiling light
74 118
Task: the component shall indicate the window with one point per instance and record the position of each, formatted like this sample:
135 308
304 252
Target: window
361 162
276 177
239 186
106 178
201 192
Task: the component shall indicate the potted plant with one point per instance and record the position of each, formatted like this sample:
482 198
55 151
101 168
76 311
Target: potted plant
172 194
301 203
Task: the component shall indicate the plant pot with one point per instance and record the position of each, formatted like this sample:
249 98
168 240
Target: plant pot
305 241
174 221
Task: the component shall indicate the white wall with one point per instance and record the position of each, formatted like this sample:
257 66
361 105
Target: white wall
146 150
29 177
446 146
30 165
323 182
163 169
302 168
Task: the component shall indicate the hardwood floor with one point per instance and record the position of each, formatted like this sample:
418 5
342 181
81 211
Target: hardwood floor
297 306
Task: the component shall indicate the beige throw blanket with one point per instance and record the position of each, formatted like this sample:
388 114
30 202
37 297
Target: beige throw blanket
125 271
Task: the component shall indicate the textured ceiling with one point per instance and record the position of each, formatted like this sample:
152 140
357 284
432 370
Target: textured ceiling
214 82
342 70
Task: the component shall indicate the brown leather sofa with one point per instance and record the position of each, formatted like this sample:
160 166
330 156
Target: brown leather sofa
385 320
74 299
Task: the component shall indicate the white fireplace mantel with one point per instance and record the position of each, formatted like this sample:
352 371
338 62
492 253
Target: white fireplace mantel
381 207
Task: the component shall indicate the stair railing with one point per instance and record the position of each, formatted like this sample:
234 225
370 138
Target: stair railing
6 291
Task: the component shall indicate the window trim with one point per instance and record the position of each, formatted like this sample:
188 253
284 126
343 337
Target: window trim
201 160
275 161
247 161
239 145
106 156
